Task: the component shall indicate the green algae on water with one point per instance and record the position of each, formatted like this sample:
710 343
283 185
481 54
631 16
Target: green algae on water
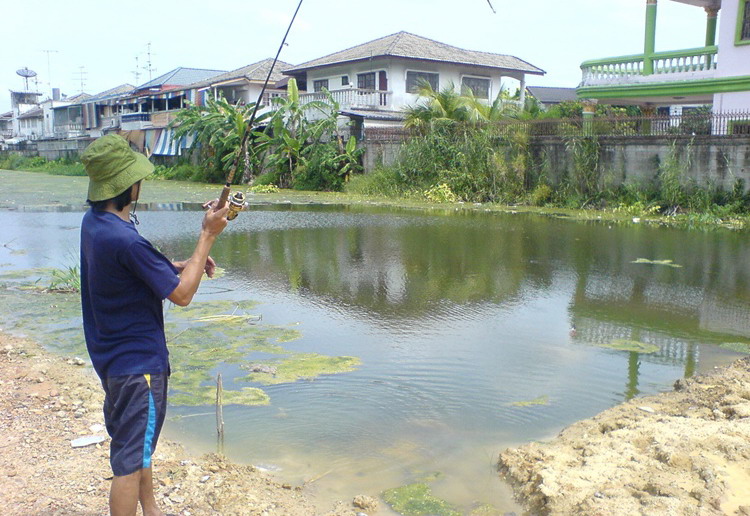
541 400
739 347
303 366
201 339
417 500
668 263
631 345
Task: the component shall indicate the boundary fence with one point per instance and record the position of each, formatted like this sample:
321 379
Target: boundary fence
730 124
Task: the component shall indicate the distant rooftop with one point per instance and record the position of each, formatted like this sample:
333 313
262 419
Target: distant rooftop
180 77
552 95
122 89
252 72
407 45
31 113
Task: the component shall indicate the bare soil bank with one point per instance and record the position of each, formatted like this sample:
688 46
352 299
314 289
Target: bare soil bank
46 401
684 452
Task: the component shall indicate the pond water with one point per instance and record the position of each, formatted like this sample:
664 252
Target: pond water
471 332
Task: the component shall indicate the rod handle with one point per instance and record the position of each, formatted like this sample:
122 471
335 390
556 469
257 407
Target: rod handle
223 197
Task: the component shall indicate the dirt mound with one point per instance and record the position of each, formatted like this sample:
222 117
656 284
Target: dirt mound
683 452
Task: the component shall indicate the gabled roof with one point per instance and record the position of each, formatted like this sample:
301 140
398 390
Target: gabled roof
180 76
32 113
252 72
78 97
9 114
552 95
407 45
122 89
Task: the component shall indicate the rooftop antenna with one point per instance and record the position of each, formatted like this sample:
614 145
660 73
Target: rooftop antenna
81 76
149 68
26 74
49 68
136 72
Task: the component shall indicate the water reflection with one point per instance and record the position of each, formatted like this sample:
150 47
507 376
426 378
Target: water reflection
456 316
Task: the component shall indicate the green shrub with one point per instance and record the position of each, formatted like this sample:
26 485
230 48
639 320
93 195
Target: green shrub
541 194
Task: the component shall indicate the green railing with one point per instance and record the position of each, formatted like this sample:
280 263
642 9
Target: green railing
621 69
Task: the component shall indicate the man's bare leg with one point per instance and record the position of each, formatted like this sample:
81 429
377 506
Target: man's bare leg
146 494
124 493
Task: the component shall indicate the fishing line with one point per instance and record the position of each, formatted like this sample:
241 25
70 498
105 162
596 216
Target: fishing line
245 137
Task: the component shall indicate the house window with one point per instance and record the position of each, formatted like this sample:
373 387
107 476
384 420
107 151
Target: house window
415 79
345 80
743 27
320 84
366 81
479 87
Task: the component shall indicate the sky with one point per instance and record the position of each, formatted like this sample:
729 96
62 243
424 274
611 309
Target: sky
105 37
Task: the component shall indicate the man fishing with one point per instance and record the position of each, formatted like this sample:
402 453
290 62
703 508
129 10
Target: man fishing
124 281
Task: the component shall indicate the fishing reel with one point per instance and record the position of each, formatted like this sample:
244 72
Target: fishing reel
236 205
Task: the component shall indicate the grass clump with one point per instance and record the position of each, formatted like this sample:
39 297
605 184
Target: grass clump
67 166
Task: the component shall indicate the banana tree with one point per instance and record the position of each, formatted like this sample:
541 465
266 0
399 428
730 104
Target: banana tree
218 128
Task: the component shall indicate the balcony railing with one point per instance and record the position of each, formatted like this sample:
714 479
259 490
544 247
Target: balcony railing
353 98
697 63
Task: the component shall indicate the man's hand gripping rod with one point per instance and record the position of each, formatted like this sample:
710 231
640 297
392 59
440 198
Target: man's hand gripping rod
237 200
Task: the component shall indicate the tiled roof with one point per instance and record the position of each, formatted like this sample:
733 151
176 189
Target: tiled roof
122 89
252 72
181 76
405 44
31 113
551 95
78 97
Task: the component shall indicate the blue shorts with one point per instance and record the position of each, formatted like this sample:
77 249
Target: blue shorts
134 411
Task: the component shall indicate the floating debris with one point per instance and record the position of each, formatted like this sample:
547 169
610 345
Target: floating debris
631 345
668 263
541 400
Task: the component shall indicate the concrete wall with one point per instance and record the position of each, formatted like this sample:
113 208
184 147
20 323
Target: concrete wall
707 161
55 149
717 161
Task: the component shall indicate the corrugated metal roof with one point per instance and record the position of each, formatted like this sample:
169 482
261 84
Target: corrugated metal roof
394 116
552 95
122 89
180 77
252 72
407 45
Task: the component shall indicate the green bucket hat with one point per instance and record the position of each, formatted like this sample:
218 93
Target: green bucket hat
112 167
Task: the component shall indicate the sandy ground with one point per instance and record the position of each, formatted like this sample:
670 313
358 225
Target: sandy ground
685 452
47 400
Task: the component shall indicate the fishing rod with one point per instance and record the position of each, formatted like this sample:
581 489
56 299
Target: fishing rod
237 201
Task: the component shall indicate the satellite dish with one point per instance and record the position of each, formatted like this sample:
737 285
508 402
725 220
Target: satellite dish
26 73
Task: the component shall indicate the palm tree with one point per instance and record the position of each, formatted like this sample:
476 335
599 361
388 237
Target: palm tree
437 107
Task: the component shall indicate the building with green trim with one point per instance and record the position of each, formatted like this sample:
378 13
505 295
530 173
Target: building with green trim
716 73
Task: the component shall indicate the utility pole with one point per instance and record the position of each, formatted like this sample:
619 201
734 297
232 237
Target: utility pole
49 68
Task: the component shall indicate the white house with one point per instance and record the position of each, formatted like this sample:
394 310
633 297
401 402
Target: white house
717 73
22 102
376 80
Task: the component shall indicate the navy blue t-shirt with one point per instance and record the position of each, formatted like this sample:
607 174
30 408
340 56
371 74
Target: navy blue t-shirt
123 283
